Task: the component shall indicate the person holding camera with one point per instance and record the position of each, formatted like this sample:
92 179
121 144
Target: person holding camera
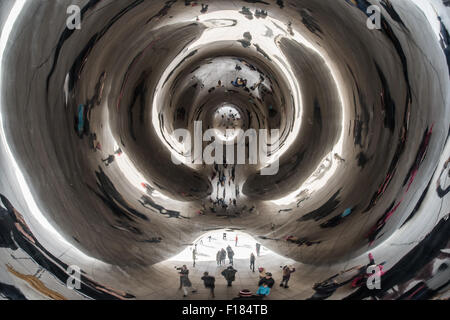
287 270
185 283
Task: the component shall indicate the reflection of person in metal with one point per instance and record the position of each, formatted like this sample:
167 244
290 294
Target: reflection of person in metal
194 257
110 159
361 278
337 219
301 241
339 158
15 234
258 249
185 283
10 292
445 41
387 5
326 288
239 82
427 289
80 120
428 281
420 157
440 183
412 263
381 223
147 202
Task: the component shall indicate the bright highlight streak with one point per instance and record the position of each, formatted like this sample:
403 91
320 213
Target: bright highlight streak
30 201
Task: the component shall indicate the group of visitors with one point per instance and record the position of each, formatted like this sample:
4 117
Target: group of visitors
222 254
265 283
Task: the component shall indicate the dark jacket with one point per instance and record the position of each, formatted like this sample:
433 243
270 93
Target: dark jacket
7 229
229 273
270 282
287 272
11 292
209 281
184 277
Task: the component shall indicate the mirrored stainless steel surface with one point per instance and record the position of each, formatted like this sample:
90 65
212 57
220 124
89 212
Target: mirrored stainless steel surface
87 124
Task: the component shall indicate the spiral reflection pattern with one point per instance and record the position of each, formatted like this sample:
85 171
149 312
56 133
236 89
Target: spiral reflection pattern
89 119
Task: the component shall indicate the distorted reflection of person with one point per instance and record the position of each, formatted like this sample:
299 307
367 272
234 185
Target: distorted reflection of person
15 234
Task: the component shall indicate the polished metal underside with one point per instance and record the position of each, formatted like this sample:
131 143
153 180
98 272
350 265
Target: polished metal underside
88 116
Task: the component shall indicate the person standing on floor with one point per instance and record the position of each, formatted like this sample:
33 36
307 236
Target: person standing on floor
258 248
287 270
230 254
252 262
262 273
236 239
194 255
223 256
219 257
209 282
229 275
110 159
184 280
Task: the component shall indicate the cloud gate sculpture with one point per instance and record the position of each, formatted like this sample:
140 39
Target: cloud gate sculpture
130 129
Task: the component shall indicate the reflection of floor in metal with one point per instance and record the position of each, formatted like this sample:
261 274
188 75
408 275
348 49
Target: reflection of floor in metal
207 249
245 279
